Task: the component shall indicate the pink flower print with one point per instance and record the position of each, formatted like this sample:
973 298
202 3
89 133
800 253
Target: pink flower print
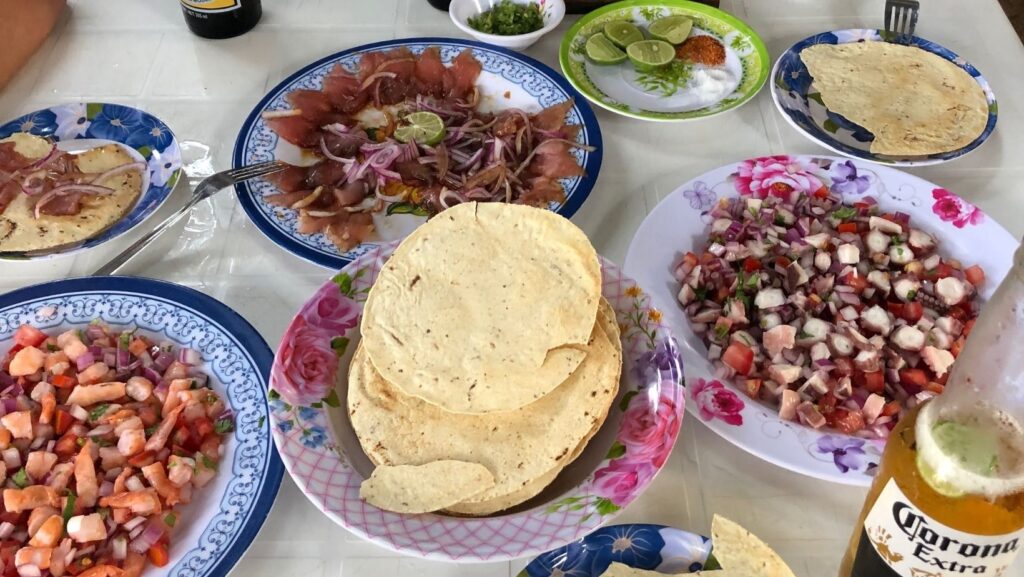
649 429
307 365
952 208
782 176
715 401
331 311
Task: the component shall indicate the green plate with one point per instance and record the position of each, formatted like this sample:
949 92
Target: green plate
668 95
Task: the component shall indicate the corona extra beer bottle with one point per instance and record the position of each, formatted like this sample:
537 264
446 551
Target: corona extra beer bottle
948 498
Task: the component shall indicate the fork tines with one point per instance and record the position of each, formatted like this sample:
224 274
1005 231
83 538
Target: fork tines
901 18
247 172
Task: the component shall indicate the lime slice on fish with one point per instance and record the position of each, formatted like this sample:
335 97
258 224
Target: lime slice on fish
671 29
422 127
600 50
648 55
622 33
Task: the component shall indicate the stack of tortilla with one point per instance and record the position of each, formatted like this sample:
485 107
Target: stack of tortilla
488 360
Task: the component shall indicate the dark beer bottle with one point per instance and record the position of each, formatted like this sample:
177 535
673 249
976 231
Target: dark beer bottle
221 18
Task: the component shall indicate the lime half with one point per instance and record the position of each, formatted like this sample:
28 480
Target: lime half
648 55
600 50
671 29
422 127
622 33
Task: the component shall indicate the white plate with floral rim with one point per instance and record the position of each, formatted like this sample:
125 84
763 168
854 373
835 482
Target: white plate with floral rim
679 224
323 455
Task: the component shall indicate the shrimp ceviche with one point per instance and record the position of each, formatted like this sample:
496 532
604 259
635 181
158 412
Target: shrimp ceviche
841 315
103 435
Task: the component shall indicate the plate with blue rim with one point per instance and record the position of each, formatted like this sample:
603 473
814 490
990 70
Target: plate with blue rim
507 77
97 123
215 529
641 546
801 104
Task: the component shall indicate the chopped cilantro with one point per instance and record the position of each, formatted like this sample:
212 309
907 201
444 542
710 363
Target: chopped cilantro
192 384
52 347
224 425
208 462
152 429
80 441
99 411
69 506
844 213
125 339
779 220
103 512
701 292
802 334
170 519
911 295
21 478
721 331
753 211
507 18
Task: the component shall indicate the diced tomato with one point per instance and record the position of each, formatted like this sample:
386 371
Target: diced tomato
912 311
958 314
754 387
29 336
968 327
827 404
891 408
204 426
847 227
894 308
739 357
873 382
66 446
975 275
158 555
844 366
914 378
943 270
142 459
821 193
751 264
62 381
845 420
722 294
934 387
63 422
858 282
782 261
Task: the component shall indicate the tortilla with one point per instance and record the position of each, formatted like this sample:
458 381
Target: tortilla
742 553
913 101
20 230
476 508
485 308
519 447
424 488
619 570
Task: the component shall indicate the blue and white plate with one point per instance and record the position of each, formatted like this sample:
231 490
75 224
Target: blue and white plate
97 123
216 528
795 96
509 79
651 547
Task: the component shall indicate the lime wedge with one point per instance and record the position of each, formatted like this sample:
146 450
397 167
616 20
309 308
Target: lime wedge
671 29
648 55
422 127
600 50
622 33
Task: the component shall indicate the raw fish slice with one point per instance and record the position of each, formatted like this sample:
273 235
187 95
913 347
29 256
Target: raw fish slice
296 130
460 77
430 72
326 173
342 89
348 230
287 199
290 179
554 160
553 117
542 191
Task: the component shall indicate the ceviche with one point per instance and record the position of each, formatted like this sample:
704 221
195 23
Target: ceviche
405 134
104 434
840 315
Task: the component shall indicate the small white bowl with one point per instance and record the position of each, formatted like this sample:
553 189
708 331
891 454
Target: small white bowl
462 10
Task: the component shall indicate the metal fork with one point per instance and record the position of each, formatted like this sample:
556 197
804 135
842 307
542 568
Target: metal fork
207 188
901 18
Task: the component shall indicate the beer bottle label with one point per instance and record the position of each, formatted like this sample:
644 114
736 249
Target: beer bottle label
212 5
899 540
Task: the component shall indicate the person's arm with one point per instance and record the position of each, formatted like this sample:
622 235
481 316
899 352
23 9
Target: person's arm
24 25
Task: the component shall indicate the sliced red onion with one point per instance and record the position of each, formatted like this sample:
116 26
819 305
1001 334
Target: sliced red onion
68 189
154 530
449 198
327 153
110 359
101 430
29 571
119 547
79 413
118 170
190 357
12 458
133 523
10 405
134 484
373 78
6 530
161 363
106 488
48 159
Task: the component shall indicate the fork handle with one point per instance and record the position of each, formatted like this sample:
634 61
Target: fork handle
127 254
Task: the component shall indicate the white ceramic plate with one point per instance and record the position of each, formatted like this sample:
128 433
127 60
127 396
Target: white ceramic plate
679 224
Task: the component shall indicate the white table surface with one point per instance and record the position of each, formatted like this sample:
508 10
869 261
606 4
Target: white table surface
139 52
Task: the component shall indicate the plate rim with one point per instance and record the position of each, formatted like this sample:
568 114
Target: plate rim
231 322
734 21
336 262
827 471
868 156
97 239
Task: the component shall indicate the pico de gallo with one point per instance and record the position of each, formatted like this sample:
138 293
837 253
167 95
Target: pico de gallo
840 315
104 434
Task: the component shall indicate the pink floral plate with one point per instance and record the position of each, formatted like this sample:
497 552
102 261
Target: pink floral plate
679 224
320 449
